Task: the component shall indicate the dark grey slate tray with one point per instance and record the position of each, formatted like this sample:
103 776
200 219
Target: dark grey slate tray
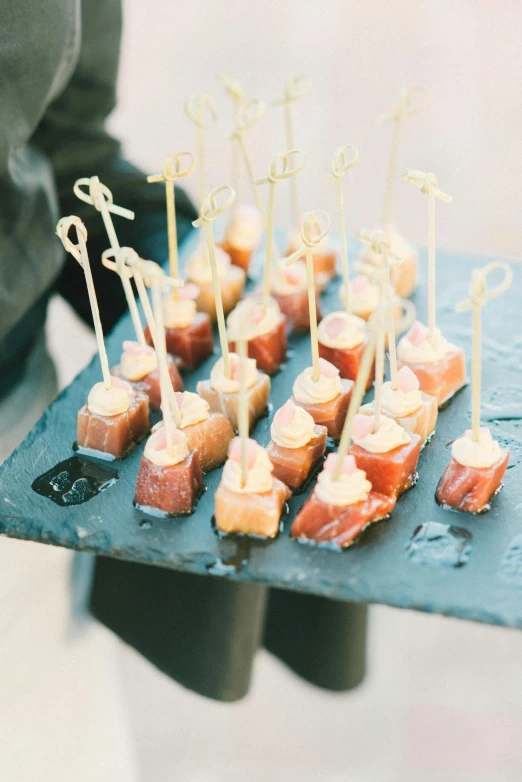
487 586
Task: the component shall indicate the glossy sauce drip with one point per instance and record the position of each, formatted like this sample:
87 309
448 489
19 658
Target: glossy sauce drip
433 543
74 481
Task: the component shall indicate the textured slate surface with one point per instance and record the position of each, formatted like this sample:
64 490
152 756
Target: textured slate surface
487 587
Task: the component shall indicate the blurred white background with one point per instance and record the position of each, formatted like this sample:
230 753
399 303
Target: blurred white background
443 699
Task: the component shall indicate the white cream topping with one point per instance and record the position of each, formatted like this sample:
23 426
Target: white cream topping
259 474
256 315
230 385
423 351
388 436
198 267
245 227
309 391
400 403
137 361
341 331
483 453
346 490
179 313
292 427
192 408
156 449
286 280
109 402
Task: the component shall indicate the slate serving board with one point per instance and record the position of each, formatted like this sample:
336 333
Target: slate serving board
473 571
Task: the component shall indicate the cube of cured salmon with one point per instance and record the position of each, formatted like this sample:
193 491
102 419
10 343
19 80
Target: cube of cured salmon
331 414
227 403
335 525
231 291
347 361
294 465
393 472
251 514
210 439
470 489
442 379
294 307
150 384
192 344
268 349
173 490
240 256
115 436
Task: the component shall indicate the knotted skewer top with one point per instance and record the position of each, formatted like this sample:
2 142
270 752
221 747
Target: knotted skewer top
411 101
426 182
99 196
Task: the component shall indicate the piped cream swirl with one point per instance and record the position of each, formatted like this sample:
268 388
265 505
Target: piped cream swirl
346 490
259 474
110 402
156 449
256 315
341 331
481 454
400 403
292 427
230 385
309 391
178 313
244 230
388 436
137 361
198 267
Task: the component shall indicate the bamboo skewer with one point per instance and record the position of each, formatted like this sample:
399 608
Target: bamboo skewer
358 393
428 185
296 89
80 254
280 168
236 93
340 165
411 102
312 233
195 108
479 296
172 171
246 116
210 209
100 197
243 424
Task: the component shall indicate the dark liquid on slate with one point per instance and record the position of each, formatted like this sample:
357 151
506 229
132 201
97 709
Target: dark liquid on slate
74 481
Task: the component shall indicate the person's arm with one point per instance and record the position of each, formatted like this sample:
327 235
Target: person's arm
73 136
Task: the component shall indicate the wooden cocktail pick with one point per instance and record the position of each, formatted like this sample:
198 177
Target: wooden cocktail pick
243 424
236 94
174 169
314 229
411 102
380 244
79 253
358 393
201 110
343 160
282 167
210 209
428 185
101 198
247 115
479 296
296 89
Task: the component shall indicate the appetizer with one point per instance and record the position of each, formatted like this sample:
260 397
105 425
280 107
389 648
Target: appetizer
478 463
340 508
342 340
169 479
297 445
325 399
290 290
231 280
139 367
253 506
474 473
324 260
243 235
114 420
266 331
439 365
188 332
403 267
364 299
207 433
116 416
410 407
222 392
386 452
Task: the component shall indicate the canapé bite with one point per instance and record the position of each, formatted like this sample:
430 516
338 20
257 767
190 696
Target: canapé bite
266 331
251 504
297 445
325 399
340 508
139 367
342 339
169 479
